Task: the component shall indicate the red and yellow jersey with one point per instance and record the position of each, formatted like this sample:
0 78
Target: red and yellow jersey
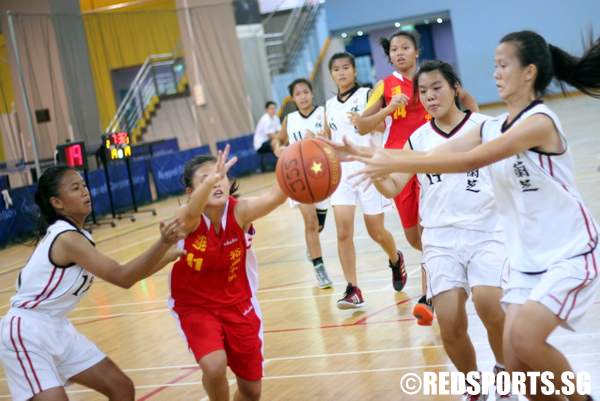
405 119
219 268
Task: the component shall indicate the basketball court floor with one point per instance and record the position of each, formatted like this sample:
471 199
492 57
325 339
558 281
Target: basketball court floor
313 351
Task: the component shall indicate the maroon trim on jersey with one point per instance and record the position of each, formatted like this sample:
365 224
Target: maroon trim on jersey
481 130
62 273
24 304
506 126
593 237
454 130
541 152
27 353
14 344
50 250
348 93
309 114
585 282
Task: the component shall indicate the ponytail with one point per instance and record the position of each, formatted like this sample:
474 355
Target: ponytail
582 73
48 185
553 62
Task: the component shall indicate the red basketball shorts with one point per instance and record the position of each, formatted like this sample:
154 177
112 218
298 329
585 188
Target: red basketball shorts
235 329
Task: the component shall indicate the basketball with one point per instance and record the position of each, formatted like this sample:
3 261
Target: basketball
308 171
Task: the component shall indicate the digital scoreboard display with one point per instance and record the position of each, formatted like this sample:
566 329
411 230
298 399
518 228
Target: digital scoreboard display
72 154
117 146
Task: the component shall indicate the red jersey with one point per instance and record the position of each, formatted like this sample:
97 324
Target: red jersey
219 269
405 119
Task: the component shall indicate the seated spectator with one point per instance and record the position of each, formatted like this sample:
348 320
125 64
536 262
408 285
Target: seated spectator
267 127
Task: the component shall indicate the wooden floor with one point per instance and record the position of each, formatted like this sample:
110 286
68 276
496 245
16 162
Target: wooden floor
313 350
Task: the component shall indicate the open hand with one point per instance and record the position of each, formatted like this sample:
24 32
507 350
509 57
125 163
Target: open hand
346 149
222 165
171 232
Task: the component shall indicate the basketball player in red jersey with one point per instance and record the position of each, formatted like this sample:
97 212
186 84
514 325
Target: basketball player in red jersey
213 286
393 97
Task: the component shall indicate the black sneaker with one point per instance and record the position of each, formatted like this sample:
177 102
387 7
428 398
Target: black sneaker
399 276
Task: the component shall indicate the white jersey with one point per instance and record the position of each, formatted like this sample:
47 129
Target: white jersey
462 200
339 121
298 124
46 287
544 217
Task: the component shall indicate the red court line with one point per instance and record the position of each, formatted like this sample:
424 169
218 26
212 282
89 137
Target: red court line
175 380
359 322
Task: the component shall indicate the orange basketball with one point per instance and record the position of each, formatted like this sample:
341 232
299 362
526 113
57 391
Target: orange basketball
308 171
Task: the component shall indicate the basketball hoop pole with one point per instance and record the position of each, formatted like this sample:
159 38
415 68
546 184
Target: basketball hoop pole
28 117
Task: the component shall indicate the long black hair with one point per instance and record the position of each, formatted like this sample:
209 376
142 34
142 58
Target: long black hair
447 72
551 62
47 187
413 36
193 164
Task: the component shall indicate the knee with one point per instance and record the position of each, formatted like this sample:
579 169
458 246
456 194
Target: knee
311 226
251 391
414 239
376 234
344 234
522 339
121 388
214 370
489 311
452 330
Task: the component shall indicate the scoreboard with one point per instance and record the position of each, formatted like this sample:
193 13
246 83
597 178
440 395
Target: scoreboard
72 154
117 146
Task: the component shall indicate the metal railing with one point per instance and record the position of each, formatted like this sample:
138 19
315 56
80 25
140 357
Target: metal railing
282 47
160 75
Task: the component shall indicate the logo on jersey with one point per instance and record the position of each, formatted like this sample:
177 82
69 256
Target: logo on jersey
235 258
472 177
230 241
332 124
199 243
522 175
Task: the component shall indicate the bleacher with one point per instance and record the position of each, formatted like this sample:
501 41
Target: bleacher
157 165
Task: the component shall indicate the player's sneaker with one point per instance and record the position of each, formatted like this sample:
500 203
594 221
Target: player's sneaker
474 397
399 275
505 397
352 298
322 277
423 311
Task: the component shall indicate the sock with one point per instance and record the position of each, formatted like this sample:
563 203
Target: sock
317 261
321 215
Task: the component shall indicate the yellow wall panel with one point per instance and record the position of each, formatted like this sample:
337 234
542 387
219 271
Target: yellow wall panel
125 37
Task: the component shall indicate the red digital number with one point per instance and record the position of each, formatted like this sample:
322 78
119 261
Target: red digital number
74 156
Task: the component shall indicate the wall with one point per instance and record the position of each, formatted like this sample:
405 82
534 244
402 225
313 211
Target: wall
477 29
303 64
125 37
256 67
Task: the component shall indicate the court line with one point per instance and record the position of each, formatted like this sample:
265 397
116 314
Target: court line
177 383
269 300
349 353
171 382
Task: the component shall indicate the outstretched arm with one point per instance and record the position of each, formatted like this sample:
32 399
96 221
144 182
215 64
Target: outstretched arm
73 247
189 214
537 130
252 208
